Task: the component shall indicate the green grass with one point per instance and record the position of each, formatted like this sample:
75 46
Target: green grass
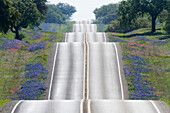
159 34
12 64
2 102
157 56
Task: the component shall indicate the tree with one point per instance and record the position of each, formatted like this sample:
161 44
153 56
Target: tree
66 9
106 13
55 15
167 25
154 8
131 9
8 15
41 6
22 13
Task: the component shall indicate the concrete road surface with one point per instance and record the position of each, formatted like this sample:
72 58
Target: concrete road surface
128 106
80 37
67 81
84 28
94 106
74 37
96 37
46 106
105 79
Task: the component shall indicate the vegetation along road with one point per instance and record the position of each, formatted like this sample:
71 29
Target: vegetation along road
117 63
87 77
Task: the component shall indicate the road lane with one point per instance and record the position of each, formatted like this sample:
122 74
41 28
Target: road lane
91 27
79 28
74 37
103 72
126 106
46 106
95 37
68 75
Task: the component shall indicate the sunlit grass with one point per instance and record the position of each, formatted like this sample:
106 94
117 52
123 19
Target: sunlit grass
156 56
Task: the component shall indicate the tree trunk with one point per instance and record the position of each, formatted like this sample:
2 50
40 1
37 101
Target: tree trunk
17 34
153 24
16 31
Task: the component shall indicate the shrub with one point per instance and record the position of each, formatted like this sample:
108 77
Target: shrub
117 27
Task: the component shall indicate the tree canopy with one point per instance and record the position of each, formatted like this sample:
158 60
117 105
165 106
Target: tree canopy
54 15
8 15
106 13
59 13
17 14
131 9
66 9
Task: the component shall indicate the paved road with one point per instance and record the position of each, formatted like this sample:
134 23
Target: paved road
69 69
96 37
105 81
84 28
64 106
74 37
128 106
94 106
87 78
81 36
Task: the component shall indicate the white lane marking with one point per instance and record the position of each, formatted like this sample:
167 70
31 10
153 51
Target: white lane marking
120 78
15 107
81 106
84 76
65 37
155 106
88 106
88 54
104 36
52 75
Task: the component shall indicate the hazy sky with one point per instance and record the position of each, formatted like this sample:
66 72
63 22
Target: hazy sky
85 8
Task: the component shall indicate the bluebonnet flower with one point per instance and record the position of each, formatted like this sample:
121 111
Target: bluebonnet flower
11 44
36 46
35 70
31 90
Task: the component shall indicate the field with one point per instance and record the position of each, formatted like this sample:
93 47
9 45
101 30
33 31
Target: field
146 60
23 63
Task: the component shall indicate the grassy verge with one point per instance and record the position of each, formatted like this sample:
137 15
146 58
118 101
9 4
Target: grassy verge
23 63
159 34
146 64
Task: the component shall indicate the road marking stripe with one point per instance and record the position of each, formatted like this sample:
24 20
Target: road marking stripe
87 67
120 78
84 76
81 106
52 75
88 106
16 105
104 36
65 37
155 106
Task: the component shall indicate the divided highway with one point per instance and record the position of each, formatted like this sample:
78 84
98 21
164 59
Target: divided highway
87 77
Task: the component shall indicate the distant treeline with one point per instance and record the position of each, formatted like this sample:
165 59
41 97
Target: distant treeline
59 13
133 14
18 14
